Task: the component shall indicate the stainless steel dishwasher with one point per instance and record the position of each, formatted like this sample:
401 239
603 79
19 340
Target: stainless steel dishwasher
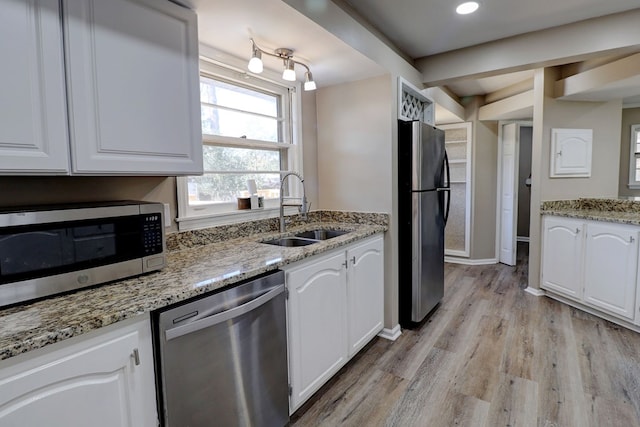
221 360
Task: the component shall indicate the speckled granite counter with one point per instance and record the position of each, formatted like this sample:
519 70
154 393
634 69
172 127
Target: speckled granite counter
198 262
622 211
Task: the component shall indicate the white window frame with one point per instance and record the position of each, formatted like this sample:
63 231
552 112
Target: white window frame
633 155
231 69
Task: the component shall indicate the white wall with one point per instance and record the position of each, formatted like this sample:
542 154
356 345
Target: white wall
354 150
484 167
560 45
356 157
630 116
605 119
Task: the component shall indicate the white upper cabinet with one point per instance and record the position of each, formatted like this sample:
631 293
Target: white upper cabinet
133 87
571 152
128 103
33 119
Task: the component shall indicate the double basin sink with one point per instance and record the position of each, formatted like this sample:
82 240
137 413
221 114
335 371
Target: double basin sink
306 238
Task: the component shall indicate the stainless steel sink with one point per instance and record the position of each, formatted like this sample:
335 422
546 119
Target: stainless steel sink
290 241
321 234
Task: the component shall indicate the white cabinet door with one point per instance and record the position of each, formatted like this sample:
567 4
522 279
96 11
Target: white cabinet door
133 87
317 310
365 293
571 152
94 382
562 255
33 119
611 263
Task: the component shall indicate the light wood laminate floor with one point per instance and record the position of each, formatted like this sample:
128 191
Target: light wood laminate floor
490 355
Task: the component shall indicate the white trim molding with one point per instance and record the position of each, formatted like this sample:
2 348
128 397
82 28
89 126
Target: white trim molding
466 261
535 292
391 334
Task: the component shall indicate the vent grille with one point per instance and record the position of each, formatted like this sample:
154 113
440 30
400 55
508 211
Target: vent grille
412 107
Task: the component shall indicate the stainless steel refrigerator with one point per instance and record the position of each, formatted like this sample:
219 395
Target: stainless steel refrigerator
423 207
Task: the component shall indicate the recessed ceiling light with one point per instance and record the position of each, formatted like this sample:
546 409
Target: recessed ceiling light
467 7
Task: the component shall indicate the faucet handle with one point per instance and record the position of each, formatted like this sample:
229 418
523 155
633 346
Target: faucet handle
304 207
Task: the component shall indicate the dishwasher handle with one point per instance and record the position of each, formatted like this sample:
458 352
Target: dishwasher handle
224 316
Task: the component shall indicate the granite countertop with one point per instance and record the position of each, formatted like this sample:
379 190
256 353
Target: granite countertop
197 262
623 211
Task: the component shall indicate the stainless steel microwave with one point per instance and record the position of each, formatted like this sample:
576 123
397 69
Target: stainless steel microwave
46 250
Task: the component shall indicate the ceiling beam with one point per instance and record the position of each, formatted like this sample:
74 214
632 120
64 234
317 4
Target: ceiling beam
621 75
338 22
609 34
446 101
514 107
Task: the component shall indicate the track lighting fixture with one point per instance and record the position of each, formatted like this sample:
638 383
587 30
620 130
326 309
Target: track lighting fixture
288 73
255 63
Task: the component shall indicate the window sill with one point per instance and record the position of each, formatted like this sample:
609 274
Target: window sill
228 218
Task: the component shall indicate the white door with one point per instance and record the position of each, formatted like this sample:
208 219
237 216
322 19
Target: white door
132 67
317 324
509 194
33 119
562 255
610 268
365 287
98 386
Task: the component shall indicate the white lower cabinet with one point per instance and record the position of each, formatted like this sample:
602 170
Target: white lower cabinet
562 256
95 380
365 293
611 263
592 262
334 308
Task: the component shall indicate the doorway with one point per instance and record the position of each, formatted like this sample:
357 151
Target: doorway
514 189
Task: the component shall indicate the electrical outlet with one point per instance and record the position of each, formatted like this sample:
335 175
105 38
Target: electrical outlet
167 215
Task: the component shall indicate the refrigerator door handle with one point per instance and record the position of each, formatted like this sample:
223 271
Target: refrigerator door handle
447 186
446 212
446 165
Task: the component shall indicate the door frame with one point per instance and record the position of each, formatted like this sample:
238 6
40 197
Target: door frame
501 124
469 189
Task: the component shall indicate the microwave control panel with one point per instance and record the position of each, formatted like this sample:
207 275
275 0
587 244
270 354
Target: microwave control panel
152 233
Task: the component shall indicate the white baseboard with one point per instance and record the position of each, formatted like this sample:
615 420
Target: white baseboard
595 312
466 261
522 239
534 291
391 334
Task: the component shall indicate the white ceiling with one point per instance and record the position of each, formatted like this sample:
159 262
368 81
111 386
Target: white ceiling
228 26
422 28
418 27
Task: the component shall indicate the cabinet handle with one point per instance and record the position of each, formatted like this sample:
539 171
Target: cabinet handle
136 356
353 260
577 230
346 264
631 239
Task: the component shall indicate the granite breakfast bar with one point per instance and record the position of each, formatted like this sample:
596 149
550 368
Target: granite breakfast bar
197 262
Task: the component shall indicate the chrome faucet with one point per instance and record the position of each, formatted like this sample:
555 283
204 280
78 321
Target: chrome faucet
303 207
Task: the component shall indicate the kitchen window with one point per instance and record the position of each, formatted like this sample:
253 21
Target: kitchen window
248 134
634 158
